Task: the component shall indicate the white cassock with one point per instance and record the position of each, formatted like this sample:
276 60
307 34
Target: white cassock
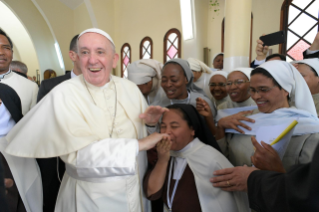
102 173
27 177
26 89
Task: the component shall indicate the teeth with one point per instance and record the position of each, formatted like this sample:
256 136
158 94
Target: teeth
95 69
261 102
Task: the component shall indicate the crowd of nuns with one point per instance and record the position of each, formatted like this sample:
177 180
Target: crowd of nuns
213 115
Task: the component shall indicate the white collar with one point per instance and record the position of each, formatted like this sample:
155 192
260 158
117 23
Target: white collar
3 75
73 74
6 121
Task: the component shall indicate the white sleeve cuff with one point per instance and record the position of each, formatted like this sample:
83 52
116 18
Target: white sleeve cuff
311 52
259 62
108 157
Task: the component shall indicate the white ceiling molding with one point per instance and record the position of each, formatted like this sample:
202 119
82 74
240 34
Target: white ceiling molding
49 25
72 4
91 13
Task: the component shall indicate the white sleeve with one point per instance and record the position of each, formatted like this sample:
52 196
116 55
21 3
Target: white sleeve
311 52
105 158
259 62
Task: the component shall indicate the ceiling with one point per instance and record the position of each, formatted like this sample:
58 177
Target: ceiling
72 4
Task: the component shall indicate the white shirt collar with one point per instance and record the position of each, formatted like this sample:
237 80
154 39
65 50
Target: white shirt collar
3 75
72 74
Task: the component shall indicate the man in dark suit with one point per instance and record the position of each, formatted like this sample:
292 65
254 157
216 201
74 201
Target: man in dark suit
3 199
52 169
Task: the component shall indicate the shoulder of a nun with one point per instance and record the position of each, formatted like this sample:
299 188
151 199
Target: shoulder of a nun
214 156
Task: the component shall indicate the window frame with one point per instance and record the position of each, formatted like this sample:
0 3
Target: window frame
284 17
147 38
122 58
179 49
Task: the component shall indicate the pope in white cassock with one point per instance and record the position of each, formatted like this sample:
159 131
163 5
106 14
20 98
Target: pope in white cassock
93 124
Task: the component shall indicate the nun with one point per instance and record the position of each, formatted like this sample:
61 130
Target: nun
237 87
218 61
202 74
281 95
146 74
26 192
309 69
185 164
217 87
177 82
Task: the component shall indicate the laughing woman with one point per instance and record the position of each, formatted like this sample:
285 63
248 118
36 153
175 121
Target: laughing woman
237 87
185 164
177 82
281 94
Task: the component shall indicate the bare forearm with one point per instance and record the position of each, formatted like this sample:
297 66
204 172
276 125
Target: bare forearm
211 124
220 132
157 177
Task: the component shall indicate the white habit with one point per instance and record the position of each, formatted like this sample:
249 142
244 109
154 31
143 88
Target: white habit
26 89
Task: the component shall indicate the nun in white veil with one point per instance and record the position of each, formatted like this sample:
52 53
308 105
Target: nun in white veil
202 74
146 74
281 95
218 61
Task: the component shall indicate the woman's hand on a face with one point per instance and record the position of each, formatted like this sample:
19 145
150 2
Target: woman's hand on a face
163 149
203 108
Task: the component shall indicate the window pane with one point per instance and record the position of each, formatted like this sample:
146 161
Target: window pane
288 59
172 36
301 3
313 9
143 52
298 49
149 49
311 35
129 53
176 43
125 74
171 52
167 58
302 24
168 45
125 49
126 61
146 43
291 39
293 12
147 56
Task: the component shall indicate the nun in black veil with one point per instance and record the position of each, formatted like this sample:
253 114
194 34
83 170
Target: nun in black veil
26 192
185 164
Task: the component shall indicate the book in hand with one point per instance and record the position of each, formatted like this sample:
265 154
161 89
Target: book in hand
277 135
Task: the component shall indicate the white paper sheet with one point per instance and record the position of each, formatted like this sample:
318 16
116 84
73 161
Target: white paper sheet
268 134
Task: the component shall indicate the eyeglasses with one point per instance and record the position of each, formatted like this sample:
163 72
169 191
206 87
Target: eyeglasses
261 90
221 84
236 82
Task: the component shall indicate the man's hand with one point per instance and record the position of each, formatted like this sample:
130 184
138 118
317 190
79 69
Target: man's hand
266 158
8 183
152 115
203 108
150 141
233 121
232 179
261 50
315 45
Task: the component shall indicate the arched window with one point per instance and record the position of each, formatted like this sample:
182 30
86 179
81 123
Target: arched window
299 18
172 45
146 48
251 35
125 59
